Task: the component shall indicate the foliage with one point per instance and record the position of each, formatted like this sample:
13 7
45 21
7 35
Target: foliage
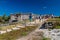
4 18
0 18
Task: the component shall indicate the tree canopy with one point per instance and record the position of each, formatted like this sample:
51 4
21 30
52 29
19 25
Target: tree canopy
4 18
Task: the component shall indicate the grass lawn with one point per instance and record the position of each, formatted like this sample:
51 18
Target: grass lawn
13 35
53 19
57 27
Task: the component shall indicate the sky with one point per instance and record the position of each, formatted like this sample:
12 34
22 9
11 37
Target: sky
35 6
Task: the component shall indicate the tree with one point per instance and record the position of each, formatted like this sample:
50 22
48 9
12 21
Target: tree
0 18
5 18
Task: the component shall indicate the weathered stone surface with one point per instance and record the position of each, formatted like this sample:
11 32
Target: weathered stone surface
36 36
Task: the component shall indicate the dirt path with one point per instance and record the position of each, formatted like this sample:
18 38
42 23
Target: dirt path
30 34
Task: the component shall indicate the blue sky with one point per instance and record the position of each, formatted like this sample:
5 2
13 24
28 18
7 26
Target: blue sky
35 6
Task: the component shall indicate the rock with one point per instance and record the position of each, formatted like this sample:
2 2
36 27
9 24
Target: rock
21 26
15 28
1 32
36 36
8 30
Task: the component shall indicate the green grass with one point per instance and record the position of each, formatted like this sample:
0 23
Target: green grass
17 33
57 27
54 19
46 39
56 22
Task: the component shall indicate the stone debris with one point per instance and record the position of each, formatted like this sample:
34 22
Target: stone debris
8 30
15 28
21 26
1 32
